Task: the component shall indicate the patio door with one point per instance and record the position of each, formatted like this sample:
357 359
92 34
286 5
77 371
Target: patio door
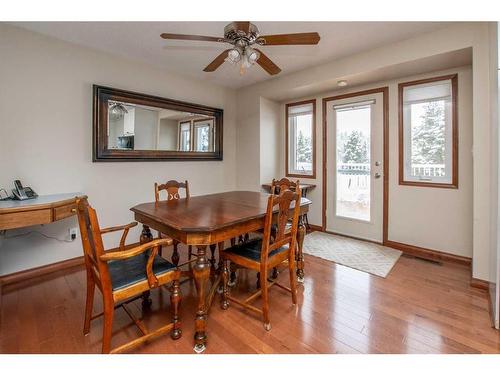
354 204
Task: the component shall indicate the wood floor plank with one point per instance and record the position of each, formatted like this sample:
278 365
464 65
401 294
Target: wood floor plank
421 307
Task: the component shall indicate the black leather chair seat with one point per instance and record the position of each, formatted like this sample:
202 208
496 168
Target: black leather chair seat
252 249
127 272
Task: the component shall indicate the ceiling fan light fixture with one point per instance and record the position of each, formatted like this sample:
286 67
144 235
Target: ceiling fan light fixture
252 55
234 56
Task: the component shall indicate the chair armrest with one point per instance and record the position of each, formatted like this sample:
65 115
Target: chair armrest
154 245
125 229
119 227
117 255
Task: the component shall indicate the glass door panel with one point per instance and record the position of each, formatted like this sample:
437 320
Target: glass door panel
353 190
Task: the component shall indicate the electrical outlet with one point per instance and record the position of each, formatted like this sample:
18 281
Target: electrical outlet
73 233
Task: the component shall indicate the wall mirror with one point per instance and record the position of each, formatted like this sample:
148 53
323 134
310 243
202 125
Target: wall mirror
130 126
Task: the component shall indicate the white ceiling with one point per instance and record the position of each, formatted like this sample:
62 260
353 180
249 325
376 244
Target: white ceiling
141 41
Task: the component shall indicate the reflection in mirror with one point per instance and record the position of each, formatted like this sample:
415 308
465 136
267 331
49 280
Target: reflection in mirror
141 127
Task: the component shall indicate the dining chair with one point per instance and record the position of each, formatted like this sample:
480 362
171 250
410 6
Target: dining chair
283 184
172 188
263 254
276 186
124 275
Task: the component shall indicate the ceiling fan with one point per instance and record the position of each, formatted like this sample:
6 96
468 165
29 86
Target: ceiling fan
243 36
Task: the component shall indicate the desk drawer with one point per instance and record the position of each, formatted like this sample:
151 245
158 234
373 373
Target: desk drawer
26 218
63 212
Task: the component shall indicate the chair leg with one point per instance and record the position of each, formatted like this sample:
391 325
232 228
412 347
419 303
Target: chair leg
175 254
109 310
275 273
146 299
89 304
293 280
175 300
232 276
225 289
160 250
265 299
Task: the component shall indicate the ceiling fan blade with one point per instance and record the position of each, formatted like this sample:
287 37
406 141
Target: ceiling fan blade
267 64
218 61
290 39
192 37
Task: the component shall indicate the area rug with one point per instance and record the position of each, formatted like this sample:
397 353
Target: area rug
361 255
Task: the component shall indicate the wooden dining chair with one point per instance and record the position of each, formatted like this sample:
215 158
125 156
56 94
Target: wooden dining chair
123 275
263 254
172 188
276 186
283 184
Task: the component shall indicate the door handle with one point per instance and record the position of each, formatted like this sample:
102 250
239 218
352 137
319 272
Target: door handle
377 175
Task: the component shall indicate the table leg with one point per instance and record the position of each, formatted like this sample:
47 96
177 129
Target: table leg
146 236
212 257
299 255
201 273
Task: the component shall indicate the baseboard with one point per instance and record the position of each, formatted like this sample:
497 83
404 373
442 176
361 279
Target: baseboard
352 237
316 228
16 277
31 273
430 254
480 284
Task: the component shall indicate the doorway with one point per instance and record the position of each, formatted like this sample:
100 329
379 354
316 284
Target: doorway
355 165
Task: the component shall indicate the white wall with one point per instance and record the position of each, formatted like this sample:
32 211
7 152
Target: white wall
271 140
438 219
308 82
168 134
46 137
495 138
145 129
248 143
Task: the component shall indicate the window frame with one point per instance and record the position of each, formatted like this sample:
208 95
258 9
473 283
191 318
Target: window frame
210 124
313 140
180 135
454 130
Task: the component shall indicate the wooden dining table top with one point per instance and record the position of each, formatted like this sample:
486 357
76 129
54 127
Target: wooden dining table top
210 212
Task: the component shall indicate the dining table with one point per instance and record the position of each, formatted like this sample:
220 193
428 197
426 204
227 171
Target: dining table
209 221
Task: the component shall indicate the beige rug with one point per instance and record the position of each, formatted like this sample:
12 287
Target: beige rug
361 255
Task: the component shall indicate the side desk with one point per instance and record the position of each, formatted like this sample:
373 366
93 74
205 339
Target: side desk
44 209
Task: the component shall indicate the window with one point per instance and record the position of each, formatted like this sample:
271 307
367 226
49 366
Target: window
184 136
300 139
203 135
428 133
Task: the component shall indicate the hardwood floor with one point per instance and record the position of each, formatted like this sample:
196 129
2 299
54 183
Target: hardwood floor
421 307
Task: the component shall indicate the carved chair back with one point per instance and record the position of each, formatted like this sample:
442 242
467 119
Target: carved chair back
93 246
172 188
284 184
288 203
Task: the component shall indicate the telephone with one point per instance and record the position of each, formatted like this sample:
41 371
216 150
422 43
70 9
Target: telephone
21 193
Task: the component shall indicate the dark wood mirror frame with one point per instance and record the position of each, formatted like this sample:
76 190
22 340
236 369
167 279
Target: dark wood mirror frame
101 152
